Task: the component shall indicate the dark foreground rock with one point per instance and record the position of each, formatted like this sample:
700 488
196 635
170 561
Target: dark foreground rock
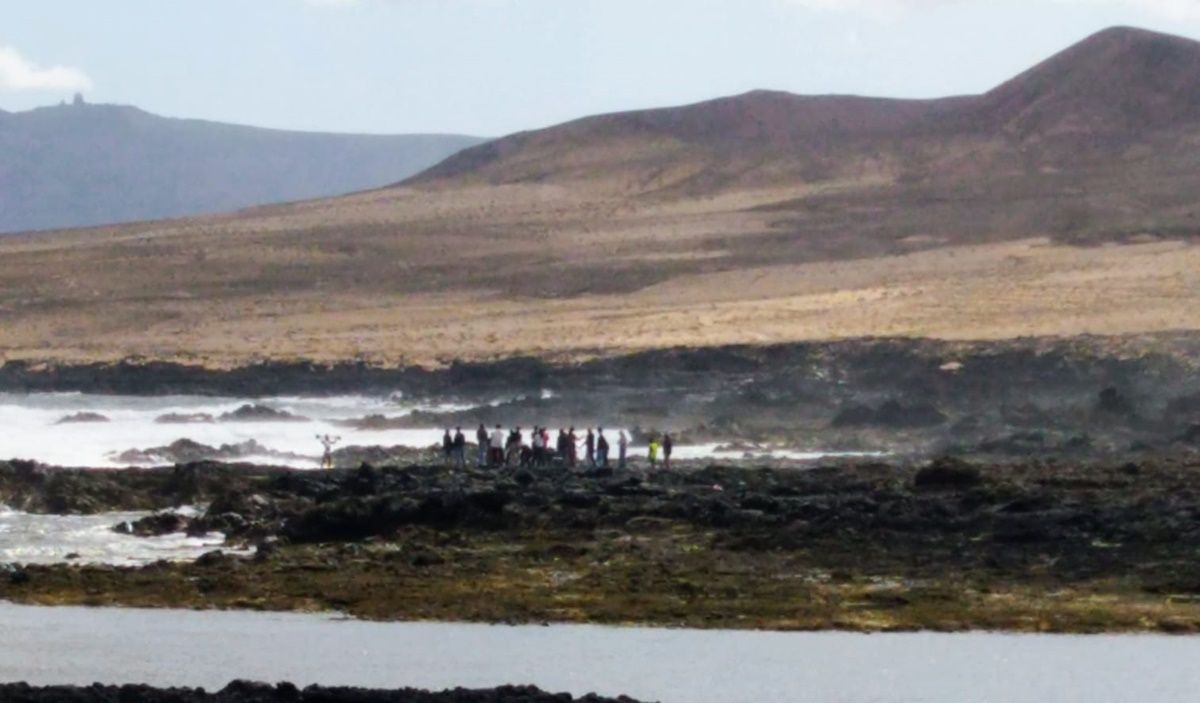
947 544
245 692
965 512
156 525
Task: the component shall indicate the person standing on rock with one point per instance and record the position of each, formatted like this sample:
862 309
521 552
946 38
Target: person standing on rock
589 445
652 451
601 448
327 442
667 446
539 447
561 447
622 449
512 451
497 444
572 448
460 449
481 436
448 447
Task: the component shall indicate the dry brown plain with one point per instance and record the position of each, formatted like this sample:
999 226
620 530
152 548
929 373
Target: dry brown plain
1060 203
427 275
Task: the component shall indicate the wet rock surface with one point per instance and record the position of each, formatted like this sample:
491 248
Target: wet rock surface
948 544
82 418
259 413
247 692
32 487
158 524
960 512
354 456
186 451
185 419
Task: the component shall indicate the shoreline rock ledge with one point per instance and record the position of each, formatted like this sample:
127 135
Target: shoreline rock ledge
249 692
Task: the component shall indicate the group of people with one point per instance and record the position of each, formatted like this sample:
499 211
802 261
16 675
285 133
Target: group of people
499 448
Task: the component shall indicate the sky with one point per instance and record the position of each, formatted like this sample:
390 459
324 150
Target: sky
492 67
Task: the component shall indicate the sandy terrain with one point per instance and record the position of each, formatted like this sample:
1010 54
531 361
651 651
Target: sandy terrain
427 276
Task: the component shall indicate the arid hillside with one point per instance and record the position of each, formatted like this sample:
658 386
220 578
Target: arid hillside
79 164
1060 203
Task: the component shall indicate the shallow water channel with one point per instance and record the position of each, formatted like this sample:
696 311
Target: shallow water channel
166 647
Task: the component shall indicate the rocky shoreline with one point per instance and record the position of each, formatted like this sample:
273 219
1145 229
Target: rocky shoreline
247 692
944 545
1080 397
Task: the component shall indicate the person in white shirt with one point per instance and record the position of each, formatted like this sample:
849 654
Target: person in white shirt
497 443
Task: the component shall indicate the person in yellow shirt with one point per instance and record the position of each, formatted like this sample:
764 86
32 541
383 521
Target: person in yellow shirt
653 455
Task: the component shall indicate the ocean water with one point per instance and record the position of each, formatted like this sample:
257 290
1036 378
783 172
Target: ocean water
29 428
166 647
90 539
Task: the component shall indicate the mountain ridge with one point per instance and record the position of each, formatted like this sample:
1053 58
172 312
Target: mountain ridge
1117 84
82 164
756 219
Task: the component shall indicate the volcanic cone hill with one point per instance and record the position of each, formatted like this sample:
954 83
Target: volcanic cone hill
1104 116
1112 88
1057 204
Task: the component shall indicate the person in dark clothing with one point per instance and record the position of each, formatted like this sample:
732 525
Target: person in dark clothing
667 445
481 436
590 446
601 449
572 448
562 446
460 448
447 446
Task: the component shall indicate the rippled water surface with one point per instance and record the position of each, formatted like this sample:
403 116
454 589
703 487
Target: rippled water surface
73 645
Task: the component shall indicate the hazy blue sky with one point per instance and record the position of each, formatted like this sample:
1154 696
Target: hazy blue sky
491 67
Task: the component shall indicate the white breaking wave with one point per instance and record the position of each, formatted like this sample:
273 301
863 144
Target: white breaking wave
29 429
89 539
722 451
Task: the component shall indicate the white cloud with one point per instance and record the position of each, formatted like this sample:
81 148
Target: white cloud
1174 9
18 73
331 3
